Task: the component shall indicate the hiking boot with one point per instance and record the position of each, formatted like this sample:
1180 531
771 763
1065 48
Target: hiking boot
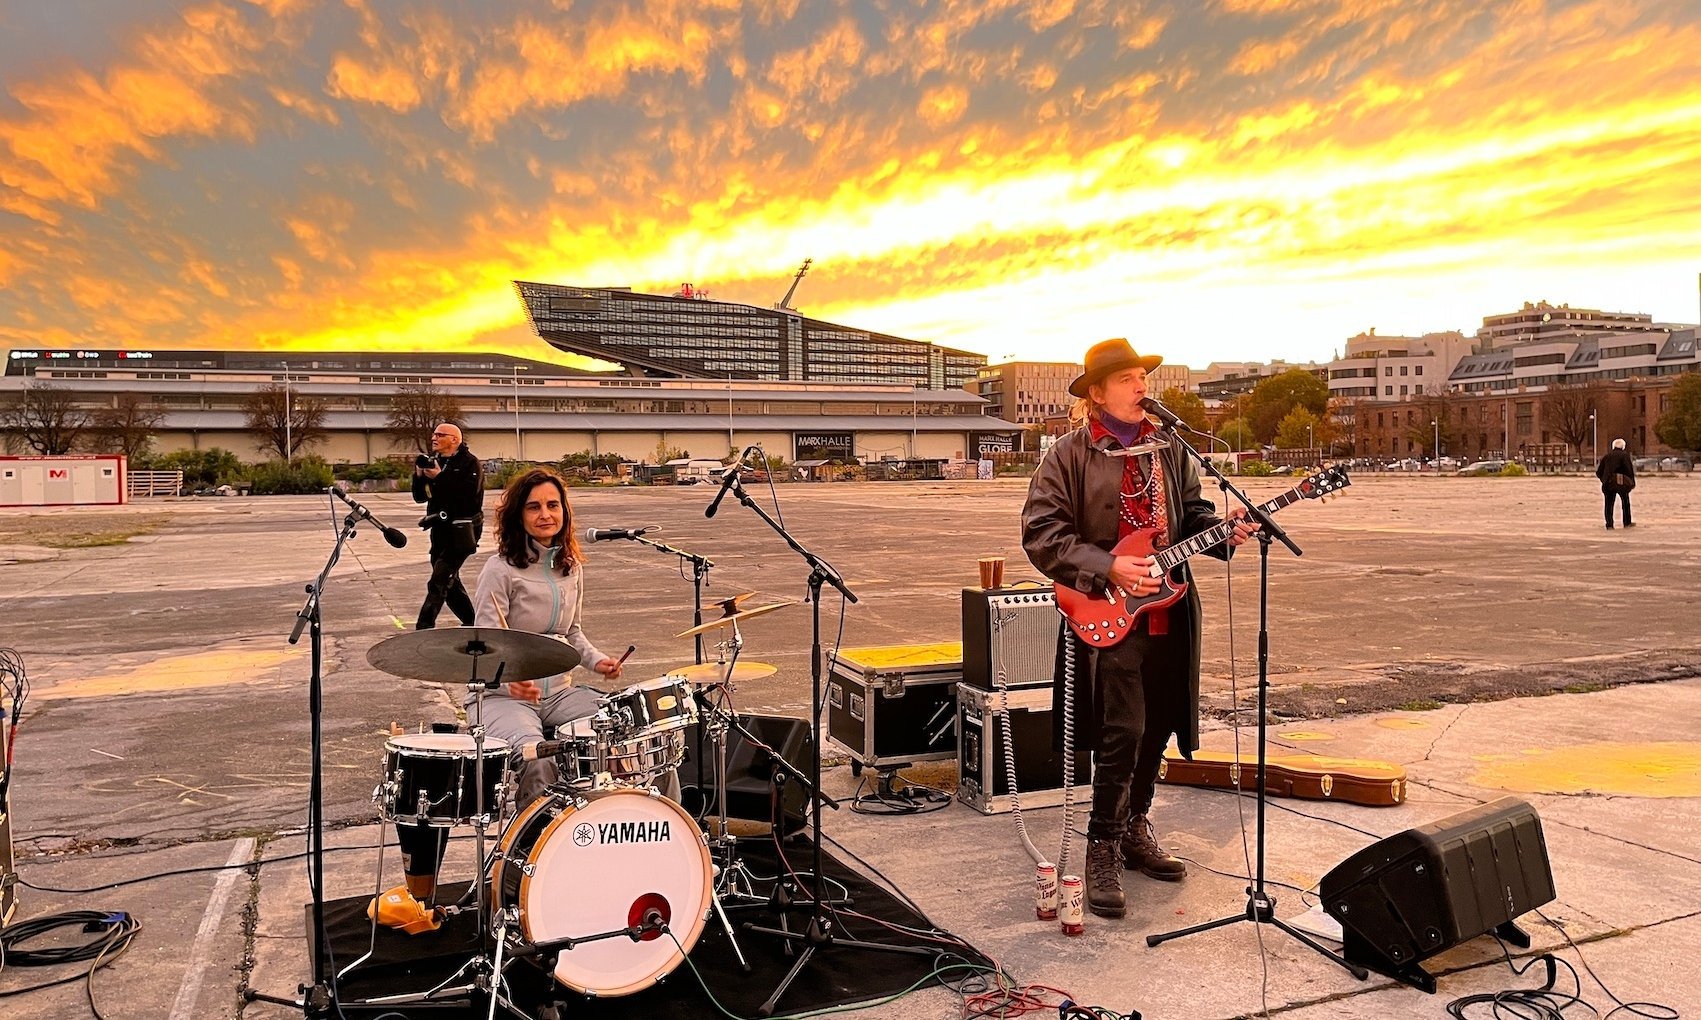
1141 852
1104 879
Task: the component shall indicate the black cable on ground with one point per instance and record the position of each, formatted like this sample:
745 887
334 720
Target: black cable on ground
1546 1002
113 934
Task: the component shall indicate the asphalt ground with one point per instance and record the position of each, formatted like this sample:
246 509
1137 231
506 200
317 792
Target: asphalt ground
169 718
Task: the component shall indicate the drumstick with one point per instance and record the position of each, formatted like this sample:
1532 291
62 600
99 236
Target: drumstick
501 617
622 660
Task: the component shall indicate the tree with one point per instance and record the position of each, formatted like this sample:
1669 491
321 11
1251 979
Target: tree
44 418
128 426
416 411
1680 427
1436 412
1298 430
1237 433
1276 396
286 432
1189 407
1570 409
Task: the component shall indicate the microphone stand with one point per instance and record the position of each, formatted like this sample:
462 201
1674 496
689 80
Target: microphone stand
1260 905
821 933
319 998
700 566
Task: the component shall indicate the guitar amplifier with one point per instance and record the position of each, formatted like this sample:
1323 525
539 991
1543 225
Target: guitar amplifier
984 776
1013 628
8 867
894 705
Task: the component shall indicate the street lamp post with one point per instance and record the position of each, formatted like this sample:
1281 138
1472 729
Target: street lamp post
289 413
1435 452
519 447
1310 437
1595 433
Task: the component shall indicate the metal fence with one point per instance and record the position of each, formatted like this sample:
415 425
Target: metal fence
143 484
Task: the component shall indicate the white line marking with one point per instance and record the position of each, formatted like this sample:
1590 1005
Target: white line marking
183 1007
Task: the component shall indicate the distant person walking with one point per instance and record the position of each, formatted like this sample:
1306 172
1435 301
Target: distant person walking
450 483
1618 476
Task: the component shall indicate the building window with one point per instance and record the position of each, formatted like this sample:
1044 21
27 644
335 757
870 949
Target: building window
1418 370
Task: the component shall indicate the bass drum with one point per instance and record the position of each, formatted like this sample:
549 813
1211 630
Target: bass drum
579 864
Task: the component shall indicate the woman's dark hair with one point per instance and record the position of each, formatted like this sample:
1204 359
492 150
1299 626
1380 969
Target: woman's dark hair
511 534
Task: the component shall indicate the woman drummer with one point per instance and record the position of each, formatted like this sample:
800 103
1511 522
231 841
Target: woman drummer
535 582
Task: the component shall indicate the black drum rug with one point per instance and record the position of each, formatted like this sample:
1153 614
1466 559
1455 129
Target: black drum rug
838 975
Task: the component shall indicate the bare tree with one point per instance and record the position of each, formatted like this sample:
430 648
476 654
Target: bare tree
1570 409
44 418
128 426
1437 417
280 430
416 410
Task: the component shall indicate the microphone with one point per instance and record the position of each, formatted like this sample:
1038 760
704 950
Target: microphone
1168 418
610 534
727 481
547 749
391 535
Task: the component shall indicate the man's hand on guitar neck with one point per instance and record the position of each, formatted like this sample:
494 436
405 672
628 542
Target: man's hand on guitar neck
1243 528
1133 574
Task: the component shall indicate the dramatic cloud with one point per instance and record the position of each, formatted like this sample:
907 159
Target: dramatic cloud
1224 179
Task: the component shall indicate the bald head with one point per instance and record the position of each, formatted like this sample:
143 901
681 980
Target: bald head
446 439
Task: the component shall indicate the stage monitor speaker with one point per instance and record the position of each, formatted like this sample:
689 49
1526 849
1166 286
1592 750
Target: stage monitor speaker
749 794
1012 628
1407 897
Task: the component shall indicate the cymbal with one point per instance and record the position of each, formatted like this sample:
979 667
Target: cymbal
445 655
732 618
712 672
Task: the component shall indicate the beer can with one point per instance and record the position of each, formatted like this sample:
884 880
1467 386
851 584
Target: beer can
1069 905
1045 891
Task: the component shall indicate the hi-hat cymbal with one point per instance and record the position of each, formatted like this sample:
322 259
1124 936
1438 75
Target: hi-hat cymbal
445 655
732 618
714 672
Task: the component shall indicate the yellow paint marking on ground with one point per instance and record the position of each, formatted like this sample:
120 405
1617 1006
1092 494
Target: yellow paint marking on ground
214 668
1307 735
1665 769
1402 722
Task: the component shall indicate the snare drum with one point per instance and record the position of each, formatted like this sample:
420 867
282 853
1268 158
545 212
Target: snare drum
636 762
656 706
428 779
576 865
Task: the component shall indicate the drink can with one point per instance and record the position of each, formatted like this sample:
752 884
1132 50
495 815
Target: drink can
1070 895
1045 891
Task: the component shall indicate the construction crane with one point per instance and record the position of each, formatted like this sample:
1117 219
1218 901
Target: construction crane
785 302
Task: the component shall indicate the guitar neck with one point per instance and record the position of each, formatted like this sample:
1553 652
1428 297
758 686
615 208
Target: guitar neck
1171 557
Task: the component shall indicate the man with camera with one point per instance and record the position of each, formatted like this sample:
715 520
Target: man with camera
450 482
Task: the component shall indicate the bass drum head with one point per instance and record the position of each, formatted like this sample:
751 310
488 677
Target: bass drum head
601 866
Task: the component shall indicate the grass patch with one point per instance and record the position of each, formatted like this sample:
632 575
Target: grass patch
91 539
1418 705
1585 687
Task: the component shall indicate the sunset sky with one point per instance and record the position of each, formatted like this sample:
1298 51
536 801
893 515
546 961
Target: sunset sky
1216 179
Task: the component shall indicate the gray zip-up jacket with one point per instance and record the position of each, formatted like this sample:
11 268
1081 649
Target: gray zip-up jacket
539 600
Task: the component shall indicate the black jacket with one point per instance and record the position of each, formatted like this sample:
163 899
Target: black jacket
1616 462
457 491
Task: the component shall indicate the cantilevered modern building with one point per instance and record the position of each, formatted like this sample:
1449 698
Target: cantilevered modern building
686 336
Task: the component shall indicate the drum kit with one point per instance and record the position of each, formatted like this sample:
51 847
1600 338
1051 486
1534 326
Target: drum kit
604 883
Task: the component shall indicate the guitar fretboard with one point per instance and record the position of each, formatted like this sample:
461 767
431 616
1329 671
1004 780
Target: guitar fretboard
1175 554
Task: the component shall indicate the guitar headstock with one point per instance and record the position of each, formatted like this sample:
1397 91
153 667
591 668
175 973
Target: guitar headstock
1326 482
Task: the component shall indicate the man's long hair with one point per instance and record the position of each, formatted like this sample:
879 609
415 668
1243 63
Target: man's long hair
1084 409
511 534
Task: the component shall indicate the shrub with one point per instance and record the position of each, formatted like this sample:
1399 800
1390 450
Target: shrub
506 472
387 468
309 474
1257 468
212 466
1513 471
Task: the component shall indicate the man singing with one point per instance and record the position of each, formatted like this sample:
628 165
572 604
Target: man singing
1114 474
451 485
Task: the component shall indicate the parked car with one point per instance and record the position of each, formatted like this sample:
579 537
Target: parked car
1646 463
1482 467
1676 464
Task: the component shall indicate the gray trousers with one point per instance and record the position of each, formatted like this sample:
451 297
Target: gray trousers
521 723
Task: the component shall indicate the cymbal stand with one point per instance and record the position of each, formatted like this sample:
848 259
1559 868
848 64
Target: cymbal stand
477 688
822 932
700 567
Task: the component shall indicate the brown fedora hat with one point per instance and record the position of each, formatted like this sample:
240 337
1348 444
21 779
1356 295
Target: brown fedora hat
1109 356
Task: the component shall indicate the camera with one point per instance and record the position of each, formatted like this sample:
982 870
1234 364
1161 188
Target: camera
424 461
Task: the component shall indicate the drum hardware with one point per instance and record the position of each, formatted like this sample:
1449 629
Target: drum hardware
821 932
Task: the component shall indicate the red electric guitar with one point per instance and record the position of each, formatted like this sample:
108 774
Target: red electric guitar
1104 620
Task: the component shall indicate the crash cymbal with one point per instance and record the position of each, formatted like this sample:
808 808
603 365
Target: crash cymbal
712 672
445 655
732 618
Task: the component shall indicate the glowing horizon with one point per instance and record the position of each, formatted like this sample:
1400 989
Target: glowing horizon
1224 181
